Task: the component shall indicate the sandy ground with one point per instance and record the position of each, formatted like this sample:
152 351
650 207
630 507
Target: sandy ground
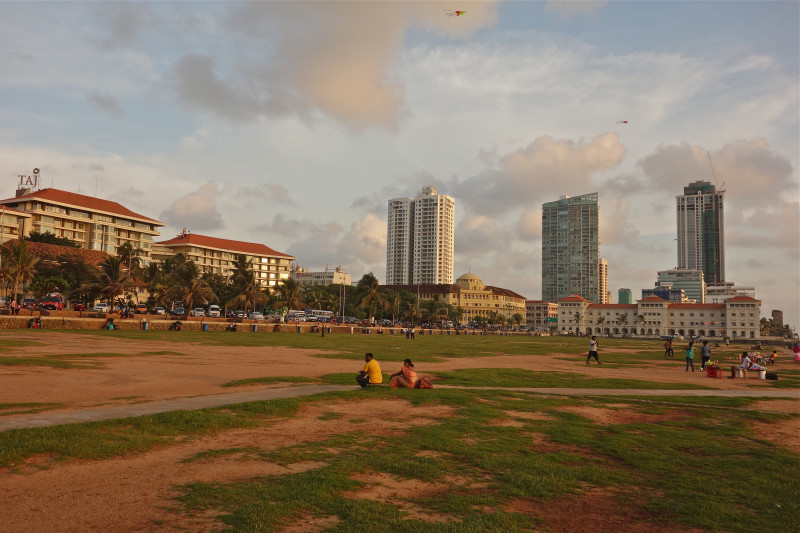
136 493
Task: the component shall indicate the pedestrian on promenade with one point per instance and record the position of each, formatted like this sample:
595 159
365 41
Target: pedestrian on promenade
668 351
593 351
690 356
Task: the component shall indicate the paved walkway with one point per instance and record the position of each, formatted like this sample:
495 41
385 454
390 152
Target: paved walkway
218 400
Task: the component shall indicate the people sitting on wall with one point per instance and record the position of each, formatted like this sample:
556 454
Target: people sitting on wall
108 324
35 323
176 326
231 326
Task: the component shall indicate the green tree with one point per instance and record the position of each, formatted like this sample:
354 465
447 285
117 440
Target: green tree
248 298
43 285
517 318
19 264
289 294
370 296
187 287
49 237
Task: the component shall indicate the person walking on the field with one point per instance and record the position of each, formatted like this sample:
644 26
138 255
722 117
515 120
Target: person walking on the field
593 351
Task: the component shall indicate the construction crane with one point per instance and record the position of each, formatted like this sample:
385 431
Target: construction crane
714 174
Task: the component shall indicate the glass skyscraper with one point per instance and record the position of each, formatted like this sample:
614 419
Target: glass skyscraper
570 248
701 234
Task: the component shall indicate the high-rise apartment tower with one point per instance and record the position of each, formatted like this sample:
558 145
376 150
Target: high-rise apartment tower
701 234
602 275
570 248
419 239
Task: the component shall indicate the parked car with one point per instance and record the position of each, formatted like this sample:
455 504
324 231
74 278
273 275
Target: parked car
159 311
255 315
230 313
53 303
198 312
214 311
178 311
78 306
239 313
141 309
101 307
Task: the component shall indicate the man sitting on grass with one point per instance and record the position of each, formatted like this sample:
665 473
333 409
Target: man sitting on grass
371 373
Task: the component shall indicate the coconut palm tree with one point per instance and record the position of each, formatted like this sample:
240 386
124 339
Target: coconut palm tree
289 293
19 265
600 321
371 297
517 318
411 311
187 287
250 297
393 302
112 282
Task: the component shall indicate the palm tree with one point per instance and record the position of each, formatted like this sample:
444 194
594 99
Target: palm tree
249 297
577 321
434 308
290 294
393 301
186 285
517 318
129 255
317 298
242 273
19 265
411 311
111 283
371 297
600 321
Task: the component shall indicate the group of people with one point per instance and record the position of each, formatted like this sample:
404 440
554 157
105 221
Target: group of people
705 354
405 378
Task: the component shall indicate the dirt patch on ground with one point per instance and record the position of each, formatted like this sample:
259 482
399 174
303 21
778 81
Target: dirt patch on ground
608 416
784 433
136 491
597 510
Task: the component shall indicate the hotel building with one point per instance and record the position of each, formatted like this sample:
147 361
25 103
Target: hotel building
420 239
217 256
570 248
93 223
540 315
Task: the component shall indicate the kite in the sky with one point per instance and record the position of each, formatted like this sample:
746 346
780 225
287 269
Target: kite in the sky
622 122
454 13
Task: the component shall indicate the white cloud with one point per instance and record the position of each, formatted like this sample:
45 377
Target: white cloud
196 211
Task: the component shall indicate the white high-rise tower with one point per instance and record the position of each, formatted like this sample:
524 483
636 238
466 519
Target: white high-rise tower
420 238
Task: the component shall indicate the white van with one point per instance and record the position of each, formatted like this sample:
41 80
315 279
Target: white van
296 315
214 311
102 307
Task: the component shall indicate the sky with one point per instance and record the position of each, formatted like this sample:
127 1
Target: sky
293 123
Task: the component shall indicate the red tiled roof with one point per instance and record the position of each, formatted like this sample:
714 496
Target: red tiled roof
573 298
63 254
91 203
696 306
612 306
743 299
252 248
504 292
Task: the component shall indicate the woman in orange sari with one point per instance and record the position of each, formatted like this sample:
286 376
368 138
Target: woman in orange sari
405 378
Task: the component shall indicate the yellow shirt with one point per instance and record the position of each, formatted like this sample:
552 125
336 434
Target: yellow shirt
373 370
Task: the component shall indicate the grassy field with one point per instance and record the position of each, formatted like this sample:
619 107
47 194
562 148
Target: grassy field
695 467
672 462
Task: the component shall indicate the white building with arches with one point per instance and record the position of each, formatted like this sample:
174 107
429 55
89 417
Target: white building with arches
736 317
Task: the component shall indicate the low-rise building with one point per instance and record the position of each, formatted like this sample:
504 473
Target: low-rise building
540 315
334 276
12 223
719 293
737 317
472 296
216 256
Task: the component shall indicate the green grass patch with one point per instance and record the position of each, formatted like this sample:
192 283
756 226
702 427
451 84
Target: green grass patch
516 377
268 380
44 360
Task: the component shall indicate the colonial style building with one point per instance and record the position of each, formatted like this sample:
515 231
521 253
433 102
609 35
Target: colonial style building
93 223
472 296
216 256
737 317
333 276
